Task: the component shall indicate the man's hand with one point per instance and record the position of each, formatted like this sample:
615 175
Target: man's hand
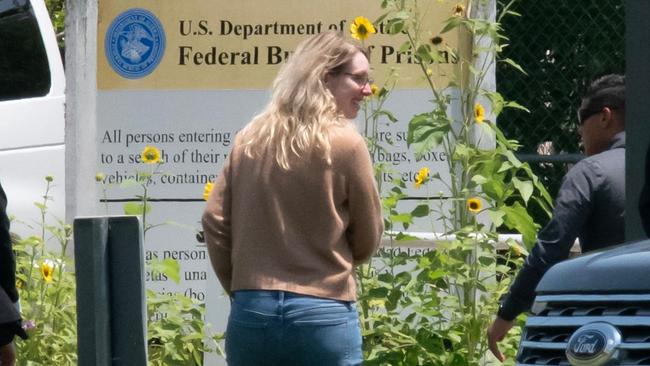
496 333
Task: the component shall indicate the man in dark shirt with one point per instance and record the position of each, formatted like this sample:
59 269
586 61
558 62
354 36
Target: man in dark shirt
590 204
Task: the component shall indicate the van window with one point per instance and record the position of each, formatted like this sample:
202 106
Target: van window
24 70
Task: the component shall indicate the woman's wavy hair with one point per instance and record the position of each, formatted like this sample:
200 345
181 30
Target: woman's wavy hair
302 110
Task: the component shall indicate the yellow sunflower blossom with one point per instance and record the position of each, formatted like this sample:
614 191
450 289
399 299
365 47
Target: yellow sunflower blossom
150 155
374 89
474 205
47 270
421 177
459 10
207 190
479 113
362 28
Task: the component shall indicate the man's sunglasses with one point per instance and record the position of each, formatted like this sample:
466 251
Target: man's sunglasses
584 114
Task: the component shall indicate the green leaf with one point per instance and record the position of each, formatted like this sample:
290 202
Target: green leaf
436 274
168 266
395 26
479 179
406 46
420 211
516 105
425 133
379 293
451 23
496 217
512 158
516 217
405 218
524 187
387 114
515 65
494 188
424 53
136 208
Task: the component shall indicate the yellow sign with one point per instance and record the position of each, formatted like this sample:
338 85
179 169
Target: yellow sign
226 44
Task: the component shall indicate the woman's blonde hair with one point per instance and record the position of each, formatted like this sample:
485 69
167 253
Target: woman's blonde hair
302 110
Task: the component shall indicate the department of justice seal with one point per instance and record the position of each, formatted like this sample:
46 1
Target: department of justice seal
135 43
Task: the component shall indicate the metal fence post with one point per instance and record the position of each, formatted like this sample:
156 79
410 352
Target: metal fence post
111 305
127 295
91 268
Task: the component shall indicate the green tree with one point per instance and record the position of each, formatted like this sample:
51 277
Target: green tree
56 8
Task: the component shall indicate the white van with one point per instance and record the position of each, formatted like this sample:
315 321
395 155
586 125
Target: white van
32 100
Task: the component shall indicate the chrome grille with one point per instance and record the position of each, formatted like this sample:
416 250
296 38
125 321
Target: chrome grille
557 317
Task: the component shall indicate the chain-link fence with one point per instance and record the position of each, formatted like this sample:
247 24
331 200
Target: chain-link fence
562 45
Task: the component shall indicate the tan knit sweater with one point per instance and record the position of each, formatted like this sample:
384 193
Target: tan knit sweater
300 230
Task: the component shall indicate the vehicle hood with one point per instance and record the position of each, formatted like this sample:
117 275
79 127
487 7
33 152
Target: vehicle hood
623 268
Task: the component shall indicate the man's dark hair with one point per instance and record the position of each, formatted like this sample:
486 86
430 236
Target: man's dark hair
606 91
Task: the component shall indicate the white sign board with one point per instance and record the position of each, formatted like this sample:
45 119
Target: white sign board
185 76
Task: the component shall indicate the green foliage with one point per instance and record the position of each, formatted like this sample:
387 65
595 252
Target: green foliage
176 333
414 308
45 281
56 8
176 337
434 308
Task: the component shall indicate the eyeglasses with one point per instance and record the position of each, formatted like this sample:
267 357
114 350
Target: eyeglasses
360 80
584 114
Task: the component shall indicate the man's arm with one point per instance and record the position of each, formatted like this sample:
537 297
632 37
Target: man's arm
574 205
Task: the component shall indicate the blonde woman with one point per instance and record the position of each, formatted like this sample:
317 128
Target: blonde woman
294 210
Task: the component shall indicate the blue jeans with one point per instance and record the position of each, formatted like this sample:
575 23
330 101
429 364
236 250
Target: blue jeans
283 328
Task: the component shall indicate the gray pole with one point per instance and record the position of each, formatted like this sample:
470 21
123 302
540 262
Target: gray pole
637 114
111 302
91 264
81 108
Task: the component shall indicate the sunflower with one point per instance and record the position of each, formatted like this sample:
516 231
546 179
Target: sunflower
150 155
474 205
421 177
437 40
362 28
374 89
47 270
459 10
207 190
479 113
